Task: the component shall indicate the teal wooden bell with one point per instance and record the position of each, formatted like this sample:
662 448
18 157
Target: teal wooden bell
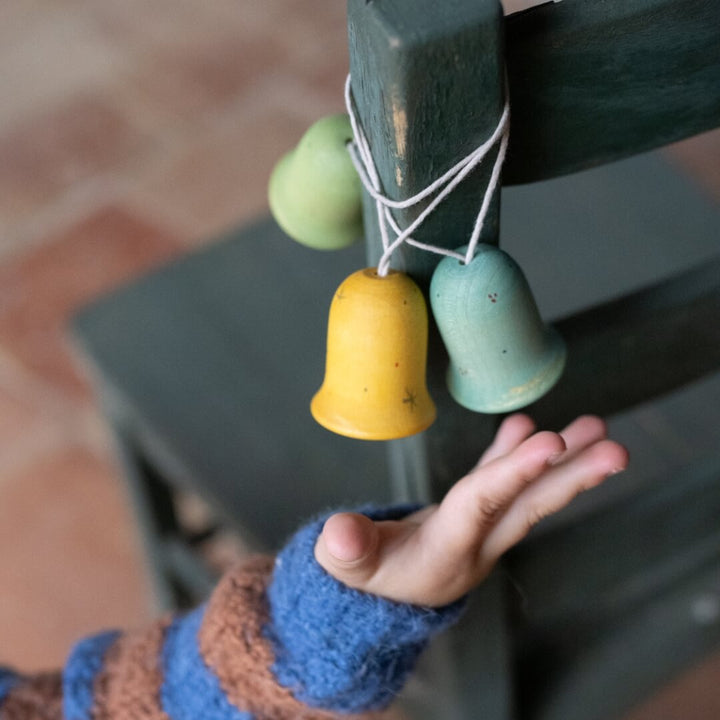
315 193
502 355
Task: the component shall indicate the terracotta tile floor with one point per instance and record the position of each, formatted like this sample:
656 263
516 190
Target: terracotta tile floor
131 132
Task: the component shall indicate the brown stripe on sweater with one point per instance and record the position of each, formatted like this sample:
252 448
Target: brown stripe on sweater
128 686
233 646
38 697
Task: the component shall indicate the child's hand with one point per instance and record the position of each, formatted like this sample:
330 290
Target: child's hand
436 555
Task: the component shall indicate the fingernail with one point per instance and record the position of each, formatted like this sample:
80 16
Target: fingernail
615 471
553 459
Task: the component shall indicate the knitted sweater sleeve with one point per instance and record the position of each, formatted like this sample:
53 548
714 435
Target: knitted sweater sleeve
277 640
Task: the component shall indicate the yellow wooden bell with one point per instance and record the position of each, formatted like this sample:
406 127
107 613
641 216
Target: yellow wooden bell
374 386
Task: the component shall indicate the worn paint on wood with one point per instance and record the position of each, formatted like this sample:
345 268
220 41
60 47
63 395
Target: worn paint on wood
592 82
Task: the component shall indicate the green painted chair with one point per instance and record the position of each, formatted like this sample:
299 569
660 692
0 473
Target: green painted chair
206 372
589 83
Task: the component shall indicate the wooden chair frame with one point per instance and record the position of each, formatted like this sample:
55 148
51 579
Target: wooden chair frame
589 83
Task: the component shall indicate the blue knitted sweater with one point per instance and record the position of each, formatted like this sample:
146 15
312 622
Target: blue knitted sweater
276 640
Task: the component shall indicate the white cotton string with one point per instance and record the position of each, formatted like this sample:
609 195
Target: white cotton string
489 192
371 180
362 159
475 159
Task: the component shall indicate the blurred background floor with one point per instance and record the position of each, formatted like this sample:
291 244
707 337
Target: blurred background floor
131 133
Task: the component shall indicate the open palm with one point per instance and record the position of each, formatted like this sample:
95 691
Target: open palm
436 555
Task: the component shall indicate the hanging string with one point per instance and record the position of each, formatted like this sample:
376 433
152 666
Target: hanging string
362 158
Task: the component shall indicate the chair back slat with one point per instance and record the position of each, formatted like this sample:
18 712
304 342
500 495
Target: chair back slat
592 82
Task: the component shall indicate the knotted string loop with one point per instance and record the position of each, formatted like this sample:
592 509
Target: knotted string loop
362 158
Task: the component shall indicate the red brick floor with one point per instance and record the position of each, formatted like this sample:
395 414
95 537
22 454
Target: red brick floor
131 132
40 288
66 514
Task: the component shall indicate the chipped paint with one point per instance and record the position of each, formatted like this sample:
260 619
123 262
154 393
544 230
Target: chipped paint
401 126
545 378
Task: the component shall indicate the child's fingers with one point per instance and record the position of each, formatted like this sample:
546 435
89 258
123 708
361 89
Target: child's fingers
518 427
479 501
560 485
512 431
580 433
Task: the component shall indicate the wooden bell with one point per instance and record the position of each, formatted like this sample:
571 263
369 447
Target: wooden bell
374 386
502 355
315 192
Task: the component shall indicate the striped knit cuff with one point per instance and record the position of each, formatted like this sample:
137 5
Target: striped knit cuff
213 662
235 651
29 697
157 673
8 680
338 648
331 648
81 670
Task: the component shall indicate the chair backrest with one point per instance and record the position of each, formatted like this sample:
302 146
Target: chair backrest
592 82
589 83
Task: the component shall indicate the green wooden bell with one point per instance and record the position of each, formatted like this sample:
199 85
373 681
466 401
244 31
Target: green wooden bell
502 355
315 193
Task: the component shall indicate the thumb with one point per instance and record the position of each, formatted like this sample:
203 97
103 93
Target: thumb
348 548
